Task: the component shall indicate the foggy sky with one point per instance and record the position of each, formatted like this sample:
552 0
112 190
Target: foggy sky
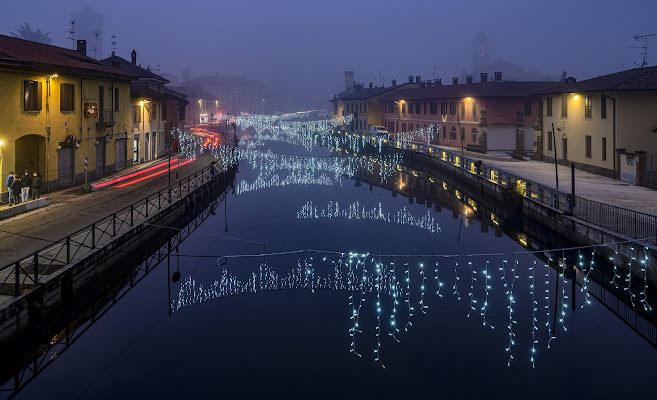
307 45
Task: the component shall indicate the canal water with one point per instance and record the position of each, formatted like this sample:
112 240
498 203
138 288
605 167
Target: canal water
308 283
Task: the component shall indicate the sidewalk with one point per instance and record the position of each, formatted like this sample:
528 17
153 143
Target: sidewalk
71 210
587 185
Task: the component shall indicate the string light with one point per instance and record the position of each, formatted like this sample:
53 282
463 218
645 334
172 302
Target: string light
628 279
423 307
564 305
547 301
471 294
439 284
644 292
456 280
534 309
487 287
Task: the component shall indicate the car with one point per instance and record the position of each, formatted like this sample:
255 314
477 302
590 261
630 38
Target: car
378 130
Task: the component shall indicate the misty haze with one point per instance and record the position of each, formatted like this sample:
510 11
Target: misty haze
347 199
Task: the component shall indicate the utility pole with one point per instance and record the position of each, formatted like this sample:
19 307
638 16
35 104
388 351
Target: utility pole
556 168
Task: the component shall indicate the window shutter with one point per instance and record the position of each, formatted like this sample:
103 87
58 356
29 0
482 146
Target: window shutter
61 97
39 102
26 95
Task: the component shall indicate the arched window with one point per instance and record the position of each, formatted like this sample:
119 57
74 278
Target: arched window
474 135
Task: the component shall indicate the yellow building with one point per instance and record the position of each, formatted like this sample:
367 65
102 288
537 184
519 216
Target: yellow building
59 108
605 125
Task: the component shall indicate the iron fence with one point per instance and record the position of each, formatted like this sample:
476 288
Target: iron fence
634 224
22 276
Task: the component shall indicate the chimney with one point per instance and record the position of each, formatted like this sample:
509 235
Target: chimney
438 81
417 79
133 55
82 47
484 76
455 80
570 80
410 79
468 79
394 82
370 85
498 77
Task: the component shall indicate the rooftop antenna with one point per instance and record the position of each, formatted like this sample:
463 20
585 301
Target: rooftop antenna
96 37
434 72
71 32
381 78
114 44
644 47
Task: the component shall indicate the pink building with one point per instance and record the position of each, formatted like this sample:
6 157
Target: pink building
484 116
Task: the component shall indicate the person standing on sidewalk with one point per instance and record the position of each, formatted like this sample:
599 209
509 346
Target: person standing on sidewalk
16 189
25 186
36 185
10 180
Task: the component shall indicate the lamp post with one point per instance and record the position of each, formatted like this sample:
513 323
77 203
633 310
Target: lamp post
399 103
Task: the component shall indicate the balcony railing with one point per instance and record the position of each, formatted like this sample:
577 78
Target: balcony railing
106 118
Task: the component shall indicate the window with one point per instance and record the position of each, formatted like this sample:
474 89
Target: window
403 126
564 106
425 108
116 99
136 117
410 108
463 110
604 149
528 109
549 141
474 110
474 135
603 106
462 133
548 107
588 146
588 106
433 108
452 133
443 108
365 108
32 96
164 112
152 113
403 108
452 108
181 112
66 97
417 108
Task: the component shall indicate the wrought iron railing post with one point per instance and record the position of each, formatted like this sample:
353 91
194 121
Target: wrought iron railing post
146 205
93 235
36 267
17 283
132 220
113 224
68 249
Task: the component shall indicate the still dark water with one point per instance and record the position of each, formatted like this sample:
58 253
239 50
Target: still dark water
295 335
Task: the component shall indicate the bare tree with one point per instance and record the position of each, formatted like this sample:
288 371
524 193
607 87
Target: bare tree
24 31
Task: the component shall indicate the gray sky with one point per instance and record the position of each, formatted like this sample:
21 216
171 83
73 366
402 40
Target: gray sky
306 45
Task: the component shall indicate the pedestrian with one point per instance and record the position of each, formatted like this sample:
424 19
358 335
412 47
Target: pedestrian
16 189
36 185
10 180
25 187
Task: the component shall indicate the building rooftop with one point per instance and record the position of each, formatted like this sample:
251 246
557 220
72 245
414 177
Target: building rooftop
194 92
636 79
478 89
141 91
131 68
25 54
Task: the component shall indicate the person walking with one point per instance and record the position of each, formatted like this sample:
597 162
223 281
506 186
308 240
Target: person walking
36 185
16 189
25 187
10 180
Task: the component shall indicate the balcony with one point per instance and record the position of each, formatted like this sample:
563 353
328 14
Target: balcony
105 118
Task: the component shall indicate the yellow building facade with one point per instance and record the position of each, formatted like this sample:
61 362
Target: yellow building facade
594 123
55 115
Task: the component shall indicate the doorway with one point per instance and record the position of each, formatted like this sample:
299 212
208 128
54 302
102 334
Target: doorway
30 154
135 149
564 149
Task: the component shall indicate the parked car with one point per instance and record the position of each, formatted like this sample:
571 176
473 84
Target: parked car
378 130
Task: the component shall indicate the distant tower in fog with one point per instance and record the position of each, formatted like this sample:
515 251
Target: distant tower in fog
89 26
480 59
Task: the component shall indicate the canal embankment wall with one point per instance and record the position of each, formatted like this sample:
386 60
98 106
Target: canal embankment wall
57 292
612 245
